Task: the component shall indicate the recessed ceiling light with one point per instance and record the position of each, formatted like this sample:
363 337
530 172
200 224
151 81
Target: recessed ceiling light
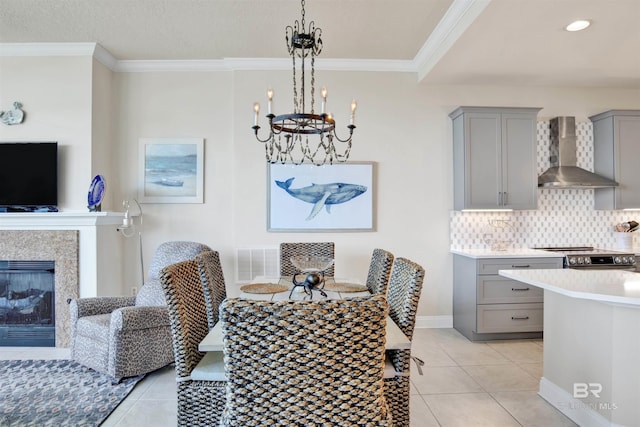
578 25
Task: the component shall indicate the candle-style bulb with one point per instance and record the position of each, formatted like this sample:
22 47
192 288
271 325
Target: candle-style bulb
353 112
323 92
270 96
256 109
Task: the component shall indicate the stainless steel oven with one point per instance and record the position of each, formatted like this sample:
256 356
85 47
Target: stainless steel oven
587 257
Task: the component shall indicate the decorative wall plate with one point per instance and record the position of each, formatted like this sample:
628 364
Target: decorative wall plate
96 193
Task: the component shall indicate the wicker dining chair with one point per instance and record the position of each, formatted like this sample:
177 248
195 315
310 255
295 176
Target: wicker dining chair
405 286
212 279
287 250
379 271
200 402
301 363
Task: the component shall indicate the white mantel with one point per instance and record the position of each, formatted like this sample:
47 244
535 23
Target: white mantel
100 245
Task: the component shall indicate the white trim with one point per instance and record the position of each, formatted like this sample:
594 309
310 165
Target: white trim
47 49
226 64
453 24
127 66
579 412
434 322
103 56
46 220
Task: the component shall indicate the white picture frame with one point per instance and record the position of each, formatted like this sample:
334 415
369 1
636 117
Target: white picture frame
326 198
171 170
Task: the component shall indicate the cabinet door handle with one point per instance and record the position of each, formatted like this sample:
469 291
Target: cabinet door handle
520 266
504 199
519 289
519 317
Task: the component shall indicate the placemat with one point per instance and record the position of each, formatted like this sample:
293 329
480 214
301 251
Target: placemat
345 287
263 288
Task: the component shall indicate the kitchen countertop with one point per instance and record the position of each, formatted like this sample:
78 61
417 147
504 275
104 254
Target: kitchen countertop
526 252
510 253
608 286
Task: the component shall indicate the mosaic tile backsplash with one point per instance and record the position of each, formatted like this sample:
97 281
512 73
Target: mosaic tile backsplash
563 218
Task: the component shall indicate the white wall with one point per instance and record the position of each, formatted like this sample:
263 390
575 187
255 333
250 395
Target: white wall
56 96
403 126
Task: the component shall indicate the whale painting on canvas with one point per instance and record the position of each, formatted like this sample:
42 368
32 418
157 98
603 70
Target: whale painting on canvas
323 195
308 197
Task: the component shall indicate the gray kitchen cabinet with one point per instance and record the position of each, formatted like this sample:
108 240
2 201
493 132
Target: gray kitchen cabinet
616 142
494 155
487 306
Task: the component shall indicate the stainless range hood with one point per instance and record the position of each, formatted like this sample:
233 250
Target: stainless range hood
563 172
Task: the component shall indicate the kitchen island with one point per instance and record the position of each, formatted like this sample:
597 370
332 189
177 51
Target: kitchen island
591 343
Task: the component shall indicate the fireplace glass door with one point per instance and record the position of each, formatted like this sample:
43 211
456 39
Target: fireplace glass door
27 315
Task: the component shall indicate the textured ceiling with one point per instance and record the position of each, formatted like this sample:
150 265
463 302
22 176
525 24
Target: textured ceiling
511 42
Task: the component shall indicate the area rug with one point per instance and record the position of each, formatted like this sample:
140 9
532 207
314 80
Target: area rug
57 393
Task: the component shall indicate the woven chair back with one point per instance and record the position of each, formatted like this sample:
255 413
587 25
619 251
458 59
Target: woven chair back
405 286
301 363
212 278
287 250
379 271
187 313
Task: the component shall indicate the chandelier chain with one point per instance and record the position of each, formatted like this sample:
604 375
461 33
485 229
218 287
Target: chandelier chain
296 106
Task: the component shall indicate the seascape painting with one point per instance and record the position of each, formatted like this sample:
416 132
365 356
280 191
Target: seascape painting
171 170
320 198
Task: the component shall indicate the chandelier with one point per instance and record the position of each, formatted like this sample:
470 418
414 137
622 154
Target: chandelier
304 135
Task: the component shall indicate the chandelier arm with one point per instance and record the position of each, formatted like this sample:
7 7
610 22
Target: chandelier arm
256 128
351 128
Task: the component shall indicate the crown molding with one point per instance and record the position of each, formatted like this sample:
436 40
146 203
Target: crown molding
47 49
453 24
142 66
227 64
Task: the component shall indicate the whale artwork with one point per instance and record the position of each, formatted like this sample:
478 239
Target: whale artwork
322 195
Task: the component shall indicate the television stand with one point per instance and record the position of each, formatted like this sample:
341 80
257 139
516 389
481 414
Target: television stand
28 209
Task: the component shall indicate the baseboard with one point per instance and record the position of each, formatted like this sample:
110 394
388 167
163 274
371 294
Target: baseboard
578 411
434 322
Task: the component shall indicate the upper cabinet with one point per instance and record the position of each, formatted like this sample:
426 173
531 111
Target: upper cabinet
616 141
494 158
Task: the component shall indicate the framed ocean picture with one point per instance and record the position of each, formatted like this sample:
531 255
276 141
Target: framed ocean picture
171 170
313 198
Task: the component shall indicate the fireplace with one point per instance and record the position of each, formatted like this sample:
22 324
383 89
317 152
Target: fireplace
59 247
27 303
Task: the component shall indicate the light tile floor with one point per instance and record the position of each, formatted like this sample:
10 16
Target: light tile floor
464 384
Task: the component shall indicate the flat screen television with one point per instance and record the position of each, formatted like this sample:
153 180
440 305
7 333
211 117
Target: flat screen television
28 176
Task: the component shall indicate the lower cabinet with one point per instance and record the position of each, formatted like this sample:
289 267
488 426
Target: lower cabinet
487 306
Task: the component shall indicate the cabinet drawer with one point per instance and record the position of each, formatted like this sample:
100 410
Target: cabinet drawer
498 290
491 266
510 318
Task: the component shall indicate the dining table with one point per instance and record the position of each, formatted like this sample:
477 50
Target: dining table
284 289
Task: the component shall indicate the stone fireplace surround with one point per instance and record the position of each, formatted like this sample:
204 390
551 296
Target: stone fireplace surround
85 246
60 246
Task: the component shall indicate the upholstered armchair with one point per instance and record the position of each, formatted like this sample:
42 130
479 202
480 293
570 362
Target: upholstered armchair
128 336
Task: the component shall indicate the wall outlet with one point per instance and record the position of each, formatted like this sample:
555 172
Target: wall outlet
134 291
